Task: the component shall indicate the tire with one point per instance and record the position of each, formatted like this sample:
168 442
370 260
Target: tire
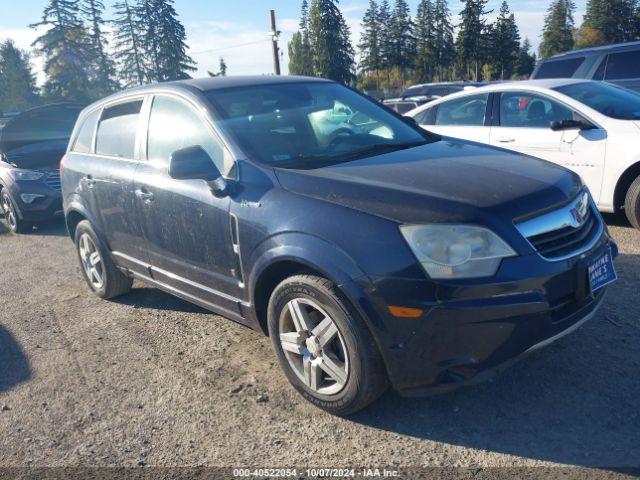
632 204
98 269
346 347
11 216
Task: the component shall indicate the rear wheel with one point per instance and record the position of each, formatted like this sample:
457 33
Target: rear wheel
632 203
323 346
11 217
99 271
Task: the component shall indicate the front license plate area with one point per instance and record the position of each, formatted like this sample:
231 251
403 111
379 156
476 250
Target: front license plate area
601 270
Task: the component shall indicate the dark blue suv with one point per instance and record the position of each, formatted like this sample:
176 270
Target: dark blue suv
372 252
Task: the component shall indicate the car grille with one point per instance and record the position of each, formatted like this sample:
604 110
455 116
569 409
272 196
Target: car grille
53 180
565 232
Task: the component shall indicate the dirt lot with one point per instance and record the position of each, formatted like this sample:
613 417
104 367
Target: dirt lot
152 380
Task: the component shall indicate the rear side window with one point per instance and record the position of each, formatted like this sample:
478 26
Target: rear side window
559 68
427 116
467 111
117 130
623 65
84 140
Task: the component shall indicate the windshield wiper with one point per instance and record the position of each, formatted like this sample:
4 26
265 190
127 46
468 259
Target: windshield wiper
379 149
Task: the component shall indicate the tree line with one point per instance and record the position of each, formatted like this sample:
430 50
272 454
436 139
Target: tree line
397 48
85 60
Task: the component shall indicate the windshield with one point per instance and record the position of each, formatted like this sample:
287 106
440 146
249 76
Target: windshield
308 125
612 101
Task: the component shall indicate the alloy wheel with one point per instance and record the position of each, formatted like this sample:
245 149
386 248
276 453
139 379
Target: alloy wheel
314 347
9 212
91 261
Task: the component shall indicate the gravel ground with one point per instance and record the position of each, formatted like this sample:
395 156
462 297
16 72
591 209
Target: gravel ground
151 380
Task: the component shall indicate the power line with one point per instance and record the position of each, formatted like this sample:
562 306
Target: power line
229 47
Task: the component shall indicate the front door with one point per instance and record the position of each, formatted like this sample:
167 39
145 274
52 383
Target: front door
524 126
187 228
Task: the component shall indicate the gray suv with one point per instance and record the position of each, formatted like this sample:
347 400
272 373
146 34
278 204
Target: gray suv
618 64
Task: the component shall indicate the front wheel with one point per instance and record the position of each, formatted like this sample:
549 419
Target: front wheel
99 271
323 346
14 222
632 203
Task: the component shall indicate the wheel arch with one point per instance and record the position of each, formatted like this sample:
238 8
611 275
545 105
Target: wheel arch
623 184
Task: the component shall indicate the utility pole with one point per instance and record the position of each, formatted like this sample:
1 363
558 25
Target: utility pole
274 42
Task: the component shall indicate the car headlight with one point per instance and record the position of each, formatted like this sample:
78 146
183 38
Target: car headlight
26 174
456 251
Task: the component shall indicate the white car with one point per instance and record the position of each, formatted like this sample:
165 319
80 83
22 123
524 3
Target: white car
592 128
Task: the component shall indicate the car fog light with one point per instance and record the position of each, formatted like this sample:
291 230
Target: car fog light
29 198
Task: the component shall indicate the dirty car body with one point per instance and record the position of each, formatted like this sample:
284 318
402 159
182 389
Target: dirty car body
354 217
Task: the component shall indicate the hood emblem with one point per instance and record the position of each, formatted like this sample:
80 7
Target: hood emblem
579 211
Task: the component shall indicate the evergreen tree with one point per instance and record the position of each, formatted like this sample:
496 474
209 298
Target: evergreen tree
370 55
444 48
472 38
384 21
300 57
128 44
64 47
165 42
147 18
401 38
613 19
330 42
526 61
425 41
505 44
557 33
103 72
18 82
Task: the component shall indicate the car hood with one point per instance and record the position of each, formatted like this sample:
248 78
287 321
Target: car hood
444 181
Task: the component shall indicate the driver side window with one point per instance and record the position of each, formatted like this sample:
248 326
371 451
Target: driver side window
528 110
175 125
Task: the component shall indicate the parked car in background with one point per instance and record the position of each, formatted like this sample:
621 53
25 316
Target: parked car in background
383 255
6 116
618 64
31 147
592 128
418 95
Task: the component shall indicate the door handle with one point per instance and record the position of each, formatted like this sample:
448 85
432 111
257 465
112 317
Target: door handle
506 140
89 181
145 195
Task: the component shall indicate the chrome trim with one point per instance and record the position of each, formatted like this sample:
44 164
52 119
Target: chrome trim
562 218
569 330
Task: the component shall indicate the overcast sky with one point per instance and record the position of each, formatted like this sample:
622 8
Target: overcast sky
237 30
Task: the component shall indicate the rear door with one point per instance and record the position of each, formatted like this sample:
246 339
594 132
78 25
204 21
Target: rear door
188 230
523 125
110 180
464 118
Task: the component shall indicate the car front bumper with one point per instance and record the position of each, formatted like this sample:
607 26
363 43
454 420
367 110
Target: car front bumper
471 330
42 209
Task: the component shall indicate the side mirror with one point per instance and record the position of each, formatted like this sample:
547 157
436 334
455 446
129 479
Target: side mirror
193 163
571 125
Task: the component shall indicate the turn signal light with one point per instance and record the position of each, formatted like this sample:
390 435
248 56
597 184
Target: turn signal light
405 312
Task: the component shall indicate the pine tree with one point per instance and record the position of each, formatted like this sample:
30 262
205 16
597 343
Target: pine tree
128 44
608 21
526 61
444 46
18 82
64 47
329 37
300 58
401 38
425 41
557 33
505 44
472 38
370 55
223 67
165 41
147 23
384 21
103 72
